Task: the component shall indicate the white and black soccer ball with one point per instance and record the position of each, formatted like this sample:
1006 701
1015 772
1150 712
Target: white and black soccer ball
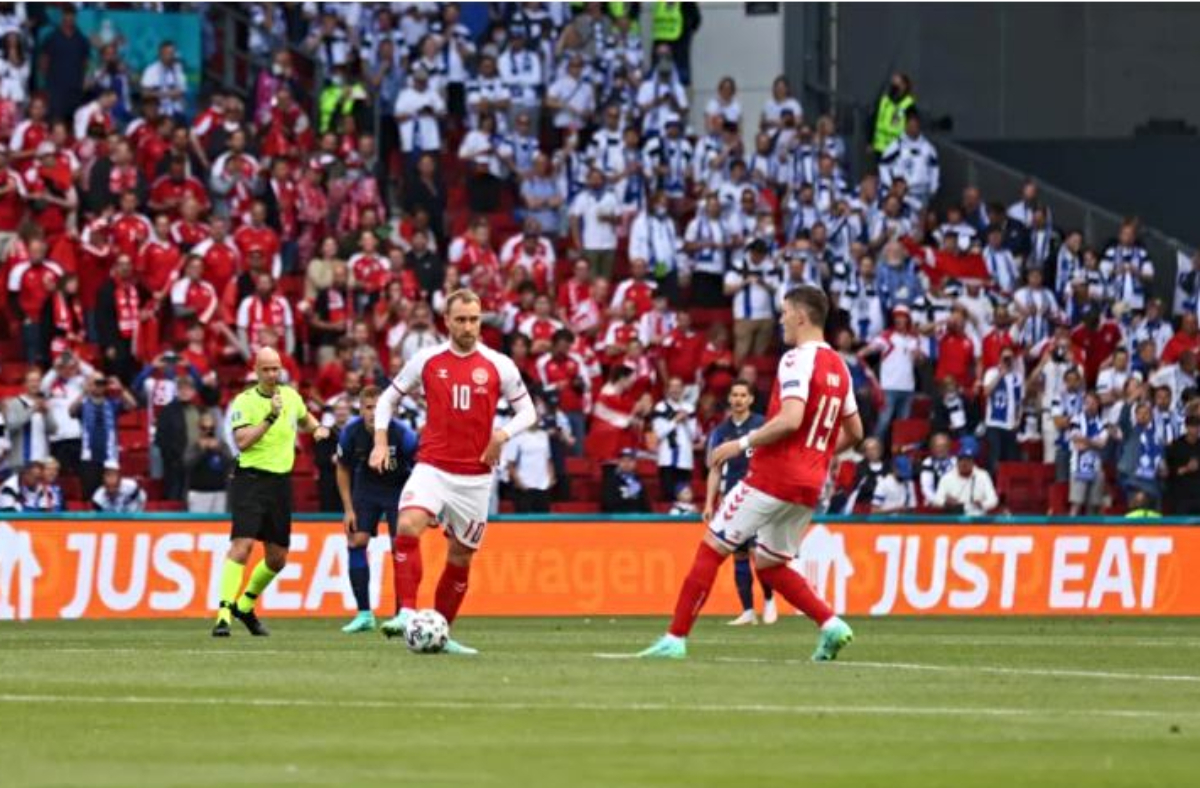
426 632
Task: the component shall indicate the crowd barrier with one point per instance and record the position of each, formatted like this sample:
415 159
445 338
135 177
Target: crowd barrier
73 567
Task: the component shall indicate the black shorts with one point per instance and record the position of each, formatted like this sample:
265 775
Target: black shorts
260 505
368 510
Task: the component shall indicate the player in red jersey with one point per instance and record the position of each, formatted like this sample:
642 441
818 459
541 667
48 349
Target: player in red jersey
812 417
462 381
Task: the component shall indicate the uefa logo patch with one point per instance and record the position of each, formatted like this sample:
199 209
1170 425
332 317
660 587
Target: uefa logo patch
480 376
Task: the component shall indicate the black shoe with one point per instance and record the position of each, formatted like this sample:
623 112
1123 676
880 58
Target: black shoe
221 630
251 621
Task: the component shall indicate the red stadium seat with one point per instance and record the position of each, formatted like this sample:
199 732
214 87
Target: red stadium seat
908 434
1025 486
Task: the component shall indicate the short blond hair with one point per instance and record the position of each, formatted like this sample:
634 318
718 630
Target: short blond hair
462 295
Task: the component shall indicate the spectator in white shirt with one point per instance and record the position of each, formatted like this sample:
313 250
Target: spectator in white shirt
595 214
484 151
530 465
936 465
706 243
968 489
521 69
725 105
675 427
652 239
899 350
751 288
781 101
894 491
572 97
913 159
660 97
118 494
165 80
418 112
1003 390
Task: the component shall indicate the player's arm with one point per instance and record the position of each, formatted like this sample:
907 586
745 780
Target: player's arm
711 488
850 435
784 423
343 485
245 434
407 381
524 416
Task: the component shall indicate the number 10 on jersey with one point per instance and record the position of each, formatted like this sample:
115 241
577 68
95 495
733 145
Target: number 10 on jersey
460 397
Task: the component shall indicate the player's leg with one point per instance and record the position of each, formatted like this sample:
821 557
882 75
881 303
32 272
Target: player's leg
743 578
770 612
366 520
778 543
421 502
465 516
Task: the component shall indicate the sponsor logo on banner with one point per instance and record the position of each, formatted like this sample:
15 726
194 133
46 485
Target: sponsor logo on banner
81 568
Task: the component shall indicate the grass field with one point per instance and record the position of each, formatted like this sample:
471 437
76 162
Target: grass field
1019 702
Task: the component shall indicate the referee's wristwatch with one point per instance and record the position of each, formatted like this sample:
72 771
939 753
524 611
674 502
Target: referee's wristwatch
271 418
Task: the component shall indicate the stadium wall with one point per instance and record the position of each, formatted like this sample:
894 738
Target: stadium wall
168 566
1028 70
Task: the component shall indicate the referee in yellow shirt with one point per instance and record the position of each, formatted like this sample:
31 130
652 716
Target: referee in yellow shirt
264 421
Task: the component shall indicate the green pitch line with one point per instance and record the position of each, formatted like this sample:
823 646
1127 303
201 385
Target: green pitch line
917 702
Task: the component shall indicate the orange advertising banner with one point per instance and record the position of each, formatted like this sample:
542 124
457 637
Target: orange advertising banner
84 568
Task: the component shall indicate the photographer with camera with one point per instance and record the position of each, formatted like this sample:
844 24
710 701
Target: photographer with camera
207 463
97 409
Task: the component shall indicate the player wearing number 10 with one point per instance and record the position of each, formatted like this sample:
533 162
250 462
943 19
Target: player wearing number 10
462 381
812 417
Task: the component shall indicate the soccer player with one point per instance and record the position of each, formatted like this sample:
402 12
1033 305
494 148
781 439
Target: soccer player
462 381
811 418
721 479
368 494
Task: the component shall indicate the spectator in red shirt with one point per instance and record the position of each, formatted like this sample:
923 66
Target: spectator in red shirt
680 353
716 362
258 235
169 191
12 202
1186 338
956 352
999 338
565 373
1096 339
30 285
638 289
130 229
222 258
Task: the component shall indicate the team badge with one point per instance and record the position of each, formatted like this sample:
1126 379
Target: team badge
480 376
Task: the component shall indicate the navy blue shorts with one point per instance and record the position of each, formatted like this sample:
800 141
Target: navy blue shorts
368 510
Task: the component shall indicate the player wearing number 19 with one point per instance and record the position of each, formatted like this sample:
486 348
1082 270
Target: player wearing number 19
462 381
811 418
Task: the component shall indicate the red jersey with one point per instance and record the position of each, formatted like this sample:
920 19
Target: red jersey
539 329
539 265
956 355
639 291
200 298
254 314
795 468
1176 345
221 261
286 198
129 232
158 264
170 193
25 139
681 350
461 393
1098 345
568 377
369 271
12 202
33 284
188 234
263 239
993 344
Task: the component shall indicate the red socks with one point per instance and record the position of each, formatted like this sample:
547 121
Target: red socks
406 566
451 589
792 586
694 592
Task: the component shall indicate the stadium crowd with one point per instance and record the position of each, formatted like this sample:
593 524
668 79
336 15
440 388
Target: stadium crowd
153 237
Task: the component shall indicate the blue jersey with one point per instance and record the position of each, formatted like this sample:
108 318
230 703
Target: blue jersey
736 468
354 450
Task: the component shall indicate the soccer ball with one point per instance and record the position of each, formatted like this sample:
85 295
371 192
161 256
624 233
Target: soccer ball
426 632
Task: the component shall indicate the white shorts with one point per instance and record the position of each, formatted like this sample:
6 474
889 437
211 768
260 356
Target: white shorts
776 527
457 501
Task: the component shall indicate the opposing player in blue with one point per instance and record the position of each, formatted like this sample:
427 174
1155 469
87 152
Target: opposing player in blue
741 422
368 494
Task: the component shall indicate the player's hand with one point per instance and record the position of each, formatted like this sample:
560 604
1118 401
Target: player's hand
491 455
276 404
350 522
322 433
725 452
708 511
378 459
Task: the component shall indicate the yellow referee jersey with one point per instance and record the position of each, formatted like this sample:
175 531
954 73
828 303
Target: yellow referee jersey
275 451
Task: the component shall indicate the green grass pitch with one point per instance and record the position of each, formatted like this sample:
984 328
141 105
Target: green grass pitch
915 702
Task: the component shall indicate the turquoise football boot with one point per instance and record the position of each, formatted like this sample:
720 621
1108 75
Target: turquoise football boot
666 647
363 622
454 647
833 638
394 627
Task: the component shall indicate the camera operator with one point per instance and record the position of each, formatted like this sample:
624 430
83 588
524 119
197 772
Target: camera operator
558 426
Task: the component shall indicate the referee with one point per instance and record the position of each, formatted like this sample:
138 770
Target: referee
264 420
